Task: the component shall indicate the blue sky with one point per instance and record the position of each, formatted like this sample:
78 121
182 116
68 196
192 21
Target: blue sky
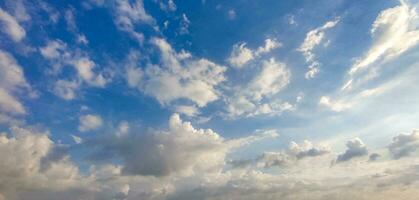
166 99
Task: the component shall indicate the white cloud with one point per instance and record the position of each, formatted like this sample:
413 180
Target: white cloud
254 98
89 122
11 27
77 140
337 106
187 110
59 55
30 173
240 55
66 89
313 39
129 14
84 67
179 76
10 104
12 81
273 77
270 44
394 32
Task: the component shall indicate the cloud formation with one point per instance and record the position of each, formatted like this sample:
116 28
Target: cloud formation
355 148
11 27
240 54
89 122
12 83
178 76
313 39
404 145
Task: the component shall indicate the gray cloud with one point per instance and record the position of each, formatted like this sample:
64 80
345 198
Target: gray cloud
355 148
404 144
180 149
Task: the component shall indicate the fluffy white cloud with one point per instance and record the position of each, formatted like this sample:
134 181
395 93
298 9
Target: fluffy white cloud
355 148
404 144
313 39
182 149
89 122
240 55
179 76
31 173
11 27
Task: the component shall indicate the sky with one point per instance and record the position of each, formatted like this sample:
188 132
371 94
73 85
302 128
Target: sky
209 99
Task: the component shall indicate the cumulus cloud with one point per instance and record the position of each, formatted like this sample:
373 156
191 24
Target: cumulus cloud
404 144
240 55
11 27
307 149
178 76
23 175
313 39
89 122
355 148
182 149
394 32
12 82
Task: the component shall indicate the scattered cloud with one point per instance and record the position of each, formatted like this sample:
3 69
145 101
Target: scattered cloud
60 55
313 39
128 14
11 27
355 148
253 99
404 144
240 55
12 82
178 76
89 122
